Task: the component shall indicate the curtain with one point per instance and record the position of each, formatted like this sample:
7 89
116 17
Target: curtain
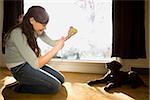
128 29
12 10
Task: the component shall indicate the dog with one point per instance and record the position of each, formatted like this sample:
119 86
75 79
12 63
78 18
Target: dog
116 78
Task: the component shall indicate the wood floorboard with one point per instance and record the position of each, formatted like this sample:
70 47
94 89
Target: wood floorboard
75 88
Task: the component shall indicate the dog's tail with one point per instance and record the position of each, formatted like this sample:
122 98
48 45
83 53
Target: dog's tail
135 80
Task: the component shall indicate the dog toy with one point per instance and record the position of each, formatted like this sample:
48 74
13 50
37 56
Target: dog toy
72 31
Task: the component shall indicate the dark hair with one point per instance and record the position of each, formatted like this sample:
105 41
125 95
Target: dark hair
40 15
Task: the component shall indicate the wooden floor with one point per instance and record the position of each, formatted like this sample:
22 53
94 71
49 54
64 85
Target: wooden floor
75 88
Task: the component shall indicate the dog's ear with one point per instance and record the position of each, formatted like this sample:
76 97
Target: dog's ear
108 65
114 65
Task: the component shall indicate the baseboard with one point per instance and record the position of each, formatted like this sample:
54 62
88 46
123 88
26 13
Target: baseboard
79 66
143 71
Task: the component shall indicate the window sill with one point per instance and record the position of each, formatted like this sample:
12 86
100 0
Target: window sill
82 66
80 61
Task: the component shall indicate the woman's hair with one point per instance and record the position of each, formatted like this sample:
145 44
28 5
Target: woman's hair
40 15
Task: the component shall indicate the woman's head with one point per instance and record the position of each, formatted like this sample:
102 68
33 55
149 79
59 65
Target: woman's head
36 18
39 14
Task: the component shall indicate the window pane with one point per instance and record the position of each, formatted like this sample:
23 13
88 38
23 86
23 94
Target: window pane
92 18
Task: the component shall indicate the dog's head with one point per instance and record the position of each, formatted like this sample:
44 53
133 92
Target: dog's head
114 66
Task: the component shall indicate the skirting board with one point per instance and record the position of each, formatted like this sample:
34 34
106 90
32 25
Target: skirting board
81 67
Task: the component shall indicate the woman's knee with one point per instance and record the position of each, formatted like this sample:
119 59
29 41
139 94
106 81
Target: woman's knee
54 72
54 88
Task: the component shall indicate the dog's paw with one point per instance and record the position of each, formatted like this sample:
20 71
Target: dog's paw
106 89
90 83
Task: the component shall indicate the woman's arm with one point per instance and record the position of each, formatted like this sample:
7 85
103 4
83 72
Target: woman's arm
24 50
48 56
72 31
27 53
59 44
48 40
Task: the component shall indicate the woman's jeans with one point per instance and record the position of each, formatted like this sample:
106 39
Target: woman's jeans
31 80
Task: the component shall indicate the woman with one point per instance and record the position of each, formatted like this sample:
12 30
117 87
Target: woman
23 57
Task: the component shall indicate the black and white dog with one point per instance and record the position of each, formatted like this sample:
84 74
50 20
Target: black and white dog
115 78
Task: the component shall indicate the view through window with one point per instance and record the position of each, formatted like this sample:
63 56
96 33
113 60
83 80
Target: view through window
92 18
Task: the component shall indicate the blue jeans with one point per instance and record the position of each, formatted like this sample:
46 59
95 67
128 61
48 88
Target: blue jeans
31 80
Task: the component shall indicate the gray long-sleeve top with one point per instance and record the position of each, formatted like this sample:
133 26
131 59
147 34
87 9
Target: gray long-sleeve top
17 49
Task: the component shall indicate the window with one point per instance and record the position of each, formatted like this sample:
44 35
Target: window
92 18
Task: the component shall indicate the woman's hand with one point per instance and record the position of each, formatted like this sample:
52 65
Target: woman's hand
60 43
72 31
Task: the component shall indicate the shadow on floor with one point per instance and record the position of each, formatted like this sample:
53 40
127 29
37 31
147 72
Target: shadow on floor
9 94
143 91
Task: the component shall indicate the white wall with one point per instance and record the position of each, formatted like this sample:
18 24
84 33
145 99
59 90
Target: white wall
79 66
